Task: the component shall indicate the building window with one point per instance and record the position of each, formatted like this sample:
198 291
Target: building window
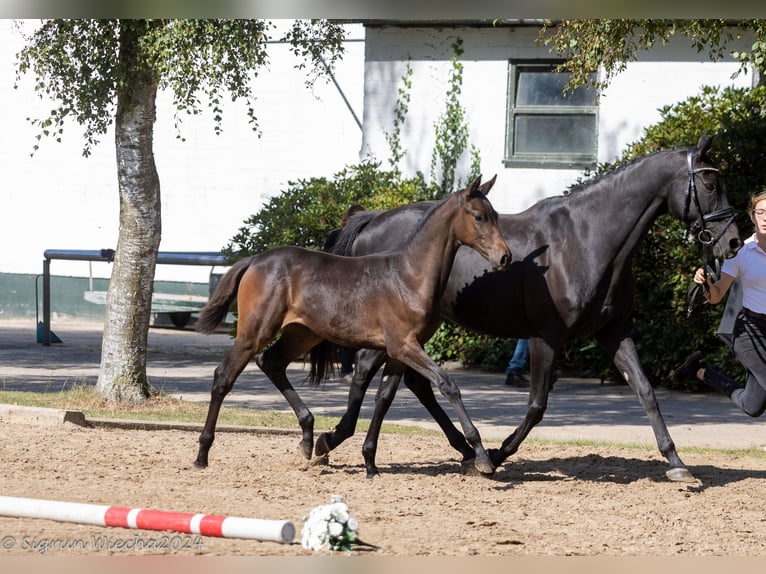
547 128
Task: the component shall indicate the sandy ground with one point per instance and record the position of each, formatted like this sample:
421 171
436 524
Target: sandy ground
545 501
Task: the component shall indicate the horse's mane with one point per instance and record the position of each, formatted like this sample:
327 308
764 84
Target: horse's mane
615 170
611 171
350 231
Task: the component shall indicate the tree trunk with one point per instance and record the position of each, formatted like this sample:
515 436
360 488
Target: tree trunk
122 376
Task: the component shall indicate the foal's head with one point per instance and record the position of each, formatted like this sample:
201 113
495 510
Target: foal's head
476 224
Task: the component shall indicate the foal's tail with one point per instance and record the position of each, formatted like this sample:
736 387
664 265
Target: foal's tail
218 305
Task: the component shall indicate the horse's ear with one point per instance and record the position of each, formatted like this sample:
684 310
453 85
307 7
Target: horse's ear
487 185
472 189
704 144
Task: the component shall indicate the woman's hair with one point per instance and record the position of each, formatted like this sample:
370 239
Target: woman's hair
756 197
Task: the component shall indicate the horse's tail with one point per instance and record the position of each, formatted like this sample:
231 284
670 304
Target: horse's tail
345 242
225 292
322 363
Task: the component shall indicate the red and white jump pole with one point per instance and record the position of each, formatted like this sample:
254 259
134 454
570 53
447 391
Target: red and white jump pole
100 515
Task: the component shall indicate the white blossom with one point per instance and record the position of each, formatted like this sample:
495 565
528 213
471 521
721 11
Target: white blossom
329 527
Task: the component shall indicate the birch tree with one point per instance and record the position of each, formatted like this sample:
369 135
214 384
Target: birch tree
99 72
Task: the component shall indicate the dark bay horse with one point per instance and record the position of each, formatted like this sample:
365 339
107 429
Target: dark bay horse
385 301
571 277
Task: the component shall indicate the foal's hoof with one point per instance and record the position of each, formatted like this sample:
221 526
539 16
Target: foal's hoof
680 474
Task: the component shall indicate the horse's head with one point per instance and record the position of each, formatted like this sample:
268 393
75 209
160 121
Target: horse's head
704 205
476 224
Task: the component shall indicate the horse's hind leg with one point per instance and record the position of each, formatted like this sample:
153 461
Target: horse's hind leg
627 362
294 342
368 361
223 380
421 388
542 359
413 355
386 392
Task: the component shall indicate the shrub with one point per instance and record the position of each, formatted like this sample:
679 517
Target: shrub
306 212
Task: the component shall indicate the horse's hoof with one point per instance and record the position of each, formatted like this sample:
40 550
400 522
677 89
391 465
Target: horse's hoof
306 449
680 474
484 466
495 457
372 473
200 465
470 469
323 445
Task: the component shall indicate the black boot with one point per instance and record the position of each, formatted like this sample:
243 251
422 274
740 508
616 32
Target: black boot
719 382
687 371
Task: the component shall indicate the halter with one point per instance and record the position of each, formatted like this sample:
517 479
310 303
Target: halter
704 235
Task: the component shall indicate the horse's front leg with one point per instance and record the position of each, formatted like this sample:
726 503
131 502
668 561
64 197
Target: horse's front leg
413 355
368 361
541 360
223 381
628 364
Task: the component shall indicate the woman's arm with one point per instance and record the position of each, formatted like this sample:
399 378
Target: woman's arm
715 291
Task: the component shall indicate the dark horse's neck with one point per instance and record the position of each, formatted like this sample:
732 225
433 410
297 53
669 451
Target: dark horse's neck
622 205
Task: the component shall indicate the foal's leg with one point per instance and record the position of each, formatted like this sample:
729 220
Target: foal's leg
223 380
368 361
541 360
413 355
628 364
294 342
386 392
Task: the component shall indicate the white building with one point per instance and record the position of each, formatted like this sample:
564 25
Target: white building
536 143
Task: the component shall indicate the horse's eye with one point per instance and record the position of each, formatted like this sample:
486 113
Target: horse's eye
478 217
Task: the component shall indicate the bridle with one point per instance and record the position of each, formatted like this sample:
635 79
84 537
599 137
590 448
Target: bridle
704 235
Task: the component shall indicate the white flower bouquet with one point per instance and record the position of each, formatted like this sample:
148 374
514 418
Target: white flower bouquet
331 527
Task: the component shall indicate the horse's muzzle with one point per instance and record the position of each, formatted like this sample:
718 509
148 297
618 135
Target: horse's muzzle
729 250
503 262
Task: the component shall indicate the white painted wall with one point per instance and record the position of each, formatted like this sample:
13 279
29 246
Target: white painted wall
670 74
210 184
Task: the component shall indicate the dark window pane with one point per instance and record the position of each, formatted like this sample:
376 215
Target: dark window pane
546 88
560 134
